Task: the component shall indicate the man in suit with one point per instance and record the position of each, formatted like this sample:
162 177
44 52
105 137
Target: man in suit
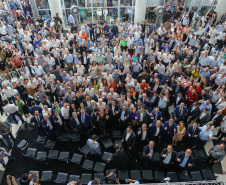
48 126
93 119
59 61
156 131
218 118
179 113
203 117
170 128
147 154
145 100
115 111
176 89
59 121
191 134
120 158
179 99
143 115
129 139
34 107
185 160
75 123
57 106
84 119
86 101
109 114
139 104
156 115
51 90
123 117
91 108
192 113
143 135
36 122
47 102
216 154
167 158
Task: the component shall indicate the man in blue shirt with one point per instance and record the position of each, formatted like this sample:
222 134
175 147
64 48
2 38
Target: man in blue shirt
36 42
185 160
205 135
109 35
148 152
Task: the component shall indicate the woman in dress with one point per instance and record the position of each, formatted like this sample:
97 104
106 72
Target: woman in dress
101 118
181 130
93 69
134 117
104 85
10 65
95 84
72 109
117 49
131 50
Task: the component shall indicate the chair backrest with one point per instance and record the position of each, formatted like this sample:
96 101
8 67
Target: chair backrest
4 76
61 177
13 74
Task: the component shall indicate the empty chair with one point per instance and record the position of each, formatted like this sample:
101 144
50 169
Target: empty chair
41 156
109 171
208 174
41 139
50 144
13 75
84 150
53 154
88 164
31 152
159 175
199 154
100 176
65 137
119 142
5 79
135 174
107 142
61 178
33 177
22 145
76 158
106 156
184 175
74 178
86 178
18 181
196 176
99 167
64 156
155 157
116 134
46 176
147 175
173 176
75 137
123 174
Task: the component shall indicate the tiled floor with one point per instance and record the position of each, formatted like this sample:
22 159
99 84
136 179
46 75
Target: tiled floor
207 147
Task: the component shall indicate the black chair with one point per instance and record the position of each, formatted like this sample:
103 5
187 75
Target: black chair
135 174
88 164
74 178
22 145
147 175
184 175
106 156
41 156
119 142
18 181
41 139
33 177
199 154
116 134
75 137
50 144
76 159
123 174
159 175
155 157
53 154
65 137
31 152
99 167
100 176
86 178
208 174
196 176
173 176
84 150
63 156
46 176
109 171
107 142
61 178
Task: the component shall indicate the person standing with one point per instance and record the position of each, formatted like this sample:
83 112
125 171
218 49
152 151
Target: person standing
94 147
6 132
12 110
70 19
216 154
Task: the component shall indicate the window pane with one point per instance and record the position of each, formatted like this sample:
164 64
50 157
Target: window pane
95 3
81 3
70 3
125 2
45 14
111 3
42 4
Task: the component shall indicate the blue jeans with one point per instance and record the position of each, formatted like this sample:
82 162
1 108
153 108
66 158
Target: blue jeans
7 155
11 100
17 114
7 138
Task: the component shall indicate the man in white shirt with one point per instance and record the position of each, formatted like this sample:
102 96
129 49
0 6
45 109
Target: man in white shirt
8 92
38 69
65 114
80 69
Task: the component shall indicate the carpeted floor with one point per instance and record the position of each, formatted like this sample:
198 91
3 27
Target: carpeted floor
21 164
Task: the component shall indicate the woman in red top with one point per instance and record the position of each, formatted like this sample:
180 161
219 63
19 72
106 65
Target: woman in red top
191 97
113 85
84 35
17 62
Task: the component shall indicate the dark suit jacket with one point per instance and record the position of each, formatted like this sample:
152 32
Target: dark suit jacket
53 108
46 103
44 124
146 151
127 114
176 112
61 62
36 107
55 119
218 120
190 130
179 102
195 112
117 108
173 156
190 159
174 89
170 130
204 120
34 120
146 115
139 136
120 158
146 102
87 119
154 115
131 140
153 131
93 120
73 123
84 102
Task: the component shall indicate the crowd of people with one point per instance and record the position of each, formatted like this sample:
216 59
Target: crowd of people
125 77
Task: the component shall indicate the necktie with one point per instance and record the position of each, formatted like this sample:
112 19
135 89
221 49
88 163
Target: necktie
38 120
219 102
193 131
180 111
156 115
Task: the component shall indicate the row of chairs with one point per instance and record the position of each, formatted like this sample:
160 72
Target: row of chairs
144 176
